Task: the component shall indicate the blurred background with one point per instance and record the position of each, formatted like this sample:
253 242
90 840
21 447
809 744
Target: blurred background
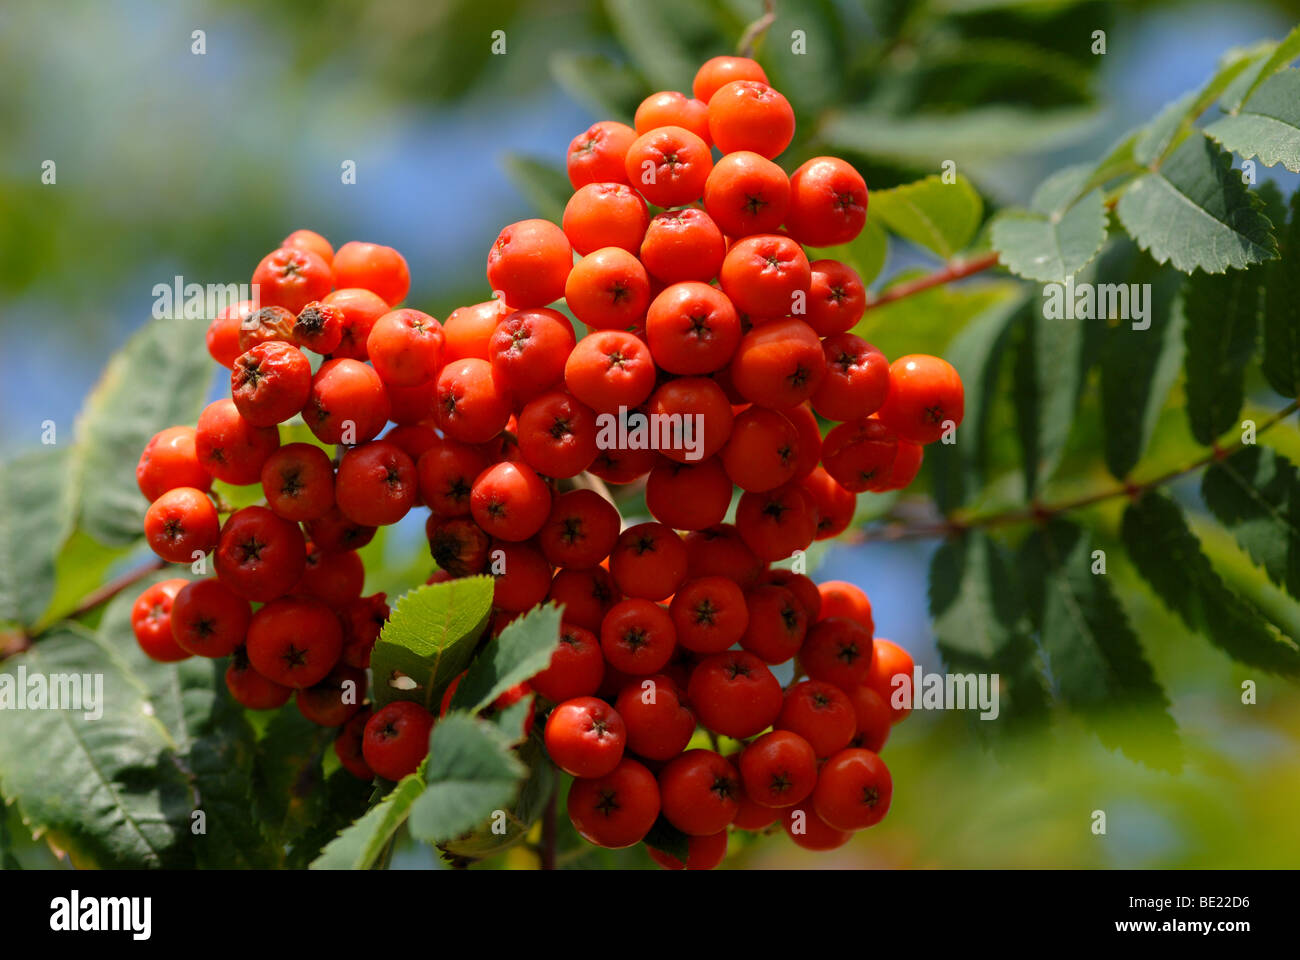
174 162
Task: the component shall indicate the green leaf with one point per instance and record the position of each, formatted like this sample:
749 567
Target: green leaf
865 253
1169 557
1259 69
35 520
286 797
471 773
1196 213
926 322
1139 366
102 789
1059 235
344 798
981 624
159 379
429 639
1281 355
362 845
1255 494
1268 125
521 651
82 565
484 841
941 217
650 33
1223 313
609 90
544 186
1092 652
1157 138
1051 367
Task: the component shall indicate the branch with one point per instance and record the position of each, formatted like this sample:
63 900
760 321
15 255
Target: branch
1041 513
955 269
111 589
754 32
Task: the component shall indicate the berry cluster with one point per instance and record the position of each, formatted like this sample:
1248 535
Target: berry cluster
703 314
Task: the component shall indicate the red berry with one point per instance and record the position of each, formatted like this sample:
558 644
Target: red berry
596 155
374 267
716 73
828 202
472 407
182 525
396 739
618 809
682 245
608 290
557 434
853 790
688 496
649 561
702 853
310 241
348 745
361 309
802 586
837 298
609 369
580 531
260 556
291 278
298 482
777 624
347 402
528 349
637 637
223 333
834 505
376 484
457 545
446 474
734 694
658 724
267 325
585 737
873 718
151 621
605 215
405 347
295 642
807 830
856 381
529 262
576 667
669 165
523 577
510 501
843 599
777 523
860 455
249 688
750 115
925 398
779 769
698 792
668 108
335 578
821 713
709 614
270 383
333 531
694 418
335 700
229 447
838 651
692 328
889 661
209 619
720 551
746 194
170 460
586 595
467 330
319 327
762 451
779 364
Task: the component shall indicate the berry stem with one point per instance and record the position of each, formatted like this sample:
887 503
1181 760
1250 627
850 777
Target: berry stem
955 269
1038 513
754 32
115 586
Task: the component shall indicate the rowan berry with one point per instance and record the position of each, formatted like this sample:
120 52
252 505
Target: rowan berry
414 440
581 530
467 331
374 267
267 325
334 577
260 556
828 202
856 381
779 364
668 108
649 561
709 614
637 637
209 619
348 745
907 463
721 551
291 278
605 215
575 669
746 194
510 501
802 586
270 383
777 624
622 466
843 599
586 594
362 620
333 531
616 810
777 523
223 332
396 739
692 328
376 484
837 298
750 115
807 830
860 455
683 245
457 544
717 72
334 700
249 688
889 661
585 737
778 769
925 399
609 369
170 460
230 448
347 402
596 155
473 406
310 241
658 724
523 577
295 642
405 347
834 505
853 790
688 496
837 650
319 327
810 438
181 525
766 275
528 349
529 262
669 165
821 713
750 815
151 621
698 792
702 853
734 694
873 718
608 290
762 451
361 309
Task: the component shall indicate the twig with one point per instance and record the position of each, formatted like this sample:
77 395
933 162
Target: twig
956 269
754 32
1040 513
111 589
547 851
